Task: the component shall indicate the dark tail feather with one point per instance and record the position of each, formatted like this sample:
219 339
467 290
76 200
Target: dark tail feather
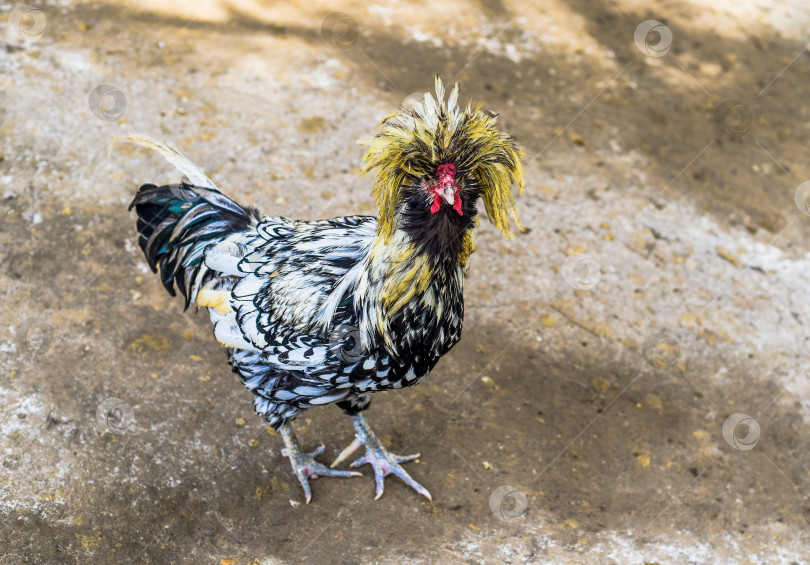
176 224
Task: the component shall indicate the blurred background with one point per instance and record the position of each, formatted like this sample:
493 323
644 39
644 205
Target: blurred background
632 382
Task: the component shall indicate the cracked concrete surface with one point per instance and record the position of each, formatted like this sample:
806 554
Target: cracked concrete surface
658 290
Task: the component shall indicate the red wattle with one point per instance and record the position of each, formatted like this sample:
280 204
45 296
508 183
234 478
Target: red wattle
437 203
457 205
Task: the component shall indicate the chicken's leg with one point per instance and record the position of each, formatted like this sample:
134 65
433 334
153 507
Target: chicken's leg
383 462
304 464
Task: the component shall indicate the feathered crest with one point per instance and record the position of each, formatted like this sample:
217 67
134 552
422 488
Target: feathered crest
414 140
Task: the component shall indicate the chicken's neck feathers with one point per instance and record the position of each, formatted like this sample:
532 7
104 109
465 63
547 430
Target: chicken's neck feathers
398 275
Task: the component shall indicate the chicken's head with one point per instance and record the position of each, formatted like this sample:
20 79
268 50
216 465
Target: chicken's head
433 160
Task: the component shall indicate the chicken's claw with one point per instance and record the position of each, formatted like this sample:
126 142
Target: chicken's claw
304 465
384 464
382 461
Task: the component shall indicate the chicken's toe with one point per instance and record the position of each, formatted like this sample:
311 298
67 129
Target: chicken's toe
382 461
304 465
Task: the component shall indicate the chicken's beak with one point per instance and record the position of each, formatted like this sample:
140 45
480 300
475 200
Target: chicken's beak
448 192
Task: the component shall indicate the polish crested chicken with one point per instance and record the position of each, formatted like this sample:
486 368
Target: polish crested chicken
331 311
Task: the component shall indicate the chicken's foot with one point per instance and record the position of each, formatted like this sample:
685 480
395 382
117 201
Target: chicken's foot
304 464
383 462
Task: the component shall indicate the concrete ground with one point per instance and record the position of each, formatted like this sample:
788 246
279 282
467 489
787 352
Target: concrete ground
658 293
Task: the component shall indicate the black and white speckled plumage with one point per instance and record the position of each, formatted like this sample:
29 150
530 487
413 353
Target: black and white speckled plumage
302 334
300 301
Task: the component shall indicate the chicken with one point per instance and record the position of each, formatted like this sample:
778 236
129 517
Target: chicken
331 311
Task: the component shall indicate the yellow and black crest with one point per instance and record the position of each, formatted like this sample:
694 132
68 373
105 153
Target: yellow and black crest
417 139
